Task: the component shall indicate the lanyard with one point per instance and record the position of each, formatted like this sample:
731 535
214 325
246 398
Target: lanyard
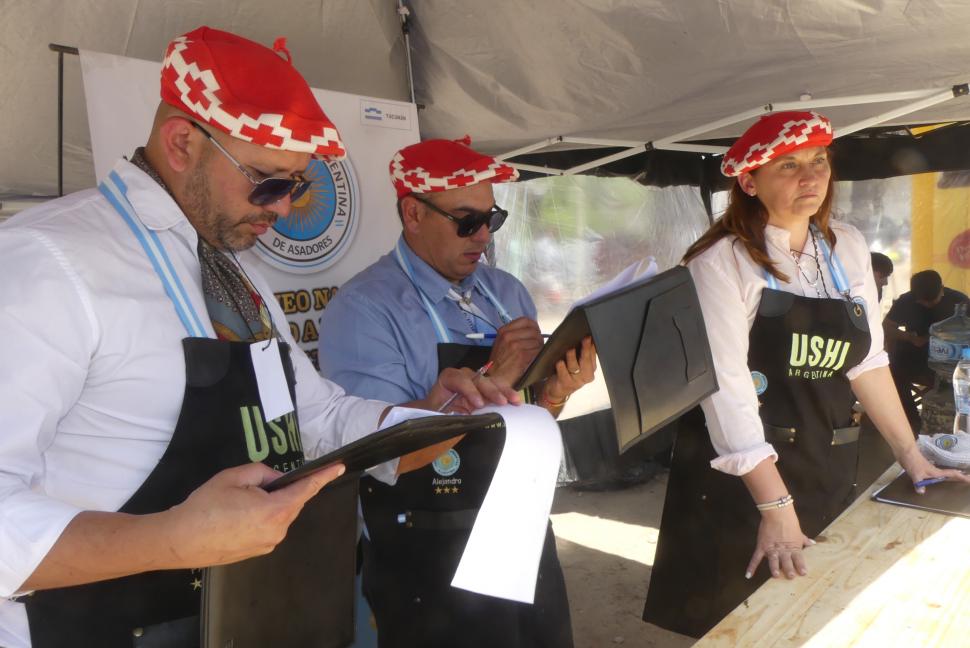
836 270
439 326
116 192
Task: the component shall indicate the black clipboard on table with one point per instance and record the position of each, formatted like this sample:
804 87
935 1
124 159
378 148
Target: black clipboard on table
949 497
652 348
302 594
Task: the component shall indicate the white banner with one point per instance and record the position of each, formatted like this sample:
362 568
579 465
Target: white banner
344 223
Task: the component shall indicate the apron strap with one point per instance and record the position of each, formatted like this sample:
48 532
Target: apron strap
116 192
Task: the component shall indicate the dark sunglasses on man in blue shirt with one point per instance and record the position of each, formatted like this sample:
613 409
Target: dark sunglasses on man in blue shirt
468 225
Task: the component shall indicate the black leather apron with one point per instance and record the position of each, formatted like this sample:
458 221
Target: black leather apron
418 530
220 426
799 351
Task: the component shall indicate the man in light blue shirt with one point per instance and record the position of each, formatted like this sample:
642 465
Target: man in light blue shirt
377 338
426 305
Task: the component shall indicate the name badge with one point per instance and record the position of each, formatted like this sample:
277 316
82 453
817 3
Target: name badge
274 395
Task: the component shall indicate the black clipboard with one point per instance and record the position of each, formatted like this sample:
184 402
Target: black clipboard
949 497
652 348
396 441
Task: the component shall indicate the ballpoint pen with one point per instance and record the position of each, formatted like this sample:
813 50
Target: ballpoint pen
491 336
928 482
481 372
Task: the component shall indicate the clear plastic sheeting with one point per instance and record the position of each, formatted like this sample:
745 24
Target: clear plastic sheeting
567 235
882 210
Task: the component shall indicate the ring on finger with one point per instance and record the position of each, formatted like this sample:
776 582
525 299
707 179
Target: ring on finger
575 372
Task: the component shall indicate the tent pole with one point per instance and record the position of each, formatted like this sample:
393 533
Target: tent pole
955 91
536 169
530 148
405 15
60 124
706 189
61 51
603 161
920 99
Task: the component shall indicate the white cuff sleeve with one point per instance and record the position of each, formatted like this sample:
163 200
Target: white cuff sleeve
880 359
385 472
744 461
31 524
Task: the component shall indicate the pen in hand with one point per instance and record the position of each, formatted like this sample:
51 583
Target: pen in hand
491 336
929 482
481 372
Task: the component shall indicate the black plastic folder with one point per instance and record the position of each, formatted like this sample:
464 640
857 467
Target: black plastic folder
396 441
652 349
302 594
950 498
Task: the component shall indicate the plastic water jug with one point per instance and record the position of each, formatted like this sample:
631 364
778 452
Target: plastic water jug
947 341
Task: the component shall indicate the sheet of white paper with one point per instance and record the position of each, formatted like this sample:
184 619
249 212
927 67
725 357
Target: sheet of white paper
502 555
274 395
633 274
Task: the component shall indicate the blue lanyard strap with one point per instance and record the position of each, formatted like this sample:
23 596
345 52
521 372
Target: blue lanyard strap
439 326
771 279
502 313
116 192
836 270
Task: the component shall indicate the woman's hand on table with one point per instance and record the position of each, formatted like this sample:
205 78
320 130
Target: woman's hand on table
780 543
919 468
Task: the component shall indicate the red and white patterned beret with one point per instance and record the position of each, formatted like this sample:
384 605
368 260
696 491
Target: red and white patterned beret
440 165
773 135
248 91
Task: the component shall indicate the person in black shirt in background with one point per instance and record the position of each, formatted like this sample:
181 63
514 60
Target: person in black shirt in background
907 328
882 269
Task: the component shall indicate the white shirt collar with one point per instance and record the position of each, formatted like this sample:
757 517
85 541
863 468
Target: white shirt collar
153 205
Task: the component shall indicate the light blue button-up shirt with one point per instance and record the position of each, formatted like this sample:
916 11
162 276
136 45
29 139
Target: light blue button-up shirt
378 341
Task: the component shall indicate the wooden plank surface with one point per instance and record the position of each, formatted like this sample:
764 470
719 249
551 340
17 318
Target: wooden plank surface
881 575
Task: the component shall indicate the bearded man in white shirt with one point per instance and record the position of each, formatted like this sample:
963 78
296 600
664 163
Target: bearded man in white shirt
134 443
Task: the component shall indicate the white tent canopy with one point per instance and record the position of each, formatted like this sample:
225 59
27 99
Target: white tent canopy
508 73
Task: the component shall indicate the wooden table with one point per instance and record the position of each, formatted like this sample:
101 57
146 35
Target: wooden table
881 575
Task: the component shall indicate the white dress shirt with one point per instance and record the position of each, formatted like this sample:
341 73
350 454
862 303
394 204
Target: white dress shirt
729 285
92 373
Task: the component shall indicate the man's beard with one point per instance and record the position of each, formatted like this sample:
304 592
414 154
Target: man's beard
214 225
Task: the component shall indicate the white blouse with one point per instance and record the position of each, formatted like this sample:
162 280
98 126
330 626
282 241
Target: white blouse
729 285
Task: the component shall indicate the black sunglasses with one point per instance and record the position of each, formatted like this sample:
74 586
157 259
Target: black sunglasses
267 190
470 224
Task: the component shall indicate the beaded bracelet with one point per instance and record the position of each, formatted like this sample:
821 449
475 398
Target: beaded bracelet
547 401
781 502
